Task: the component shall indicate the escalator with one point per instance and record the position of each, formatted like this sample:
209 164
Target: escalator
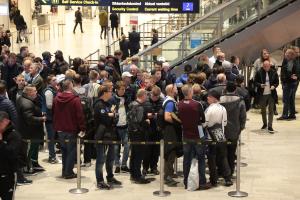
239 27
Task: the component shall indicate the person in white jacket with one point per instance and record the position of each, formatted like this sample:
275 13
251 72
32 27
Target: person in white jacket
216 120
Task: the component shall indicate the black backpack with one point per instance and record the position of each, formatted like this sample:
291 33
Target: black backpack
87 110
132 117
161 123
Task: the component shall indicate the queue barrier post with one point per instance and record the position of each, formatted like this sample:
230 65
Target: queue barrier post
78 190
237 192
161 192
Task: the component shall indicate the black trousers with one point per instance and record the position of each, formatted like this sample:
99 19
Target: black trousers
76 23
220 151
137 154
7 186
151 151
112 31
103 29
231 155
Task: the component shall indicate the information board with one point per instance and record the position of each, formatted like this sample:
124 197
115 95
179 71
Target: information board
154 6
70 2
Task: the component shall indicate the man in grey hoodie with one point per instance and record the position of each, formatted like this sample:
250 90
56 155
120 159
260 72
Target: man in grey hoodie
236 120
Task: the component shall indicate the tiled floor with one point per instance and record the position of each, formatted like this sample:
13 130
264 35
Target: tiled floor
272 172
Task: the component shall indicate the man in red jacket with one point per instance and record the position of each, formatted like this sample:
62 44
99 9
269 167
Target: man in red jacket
68 118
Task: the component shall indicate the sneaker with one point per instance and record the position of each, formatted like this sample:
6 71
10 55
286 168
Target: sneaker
205 186
88 164
228 183
36 166
140 180
270 129
117 170
30 172
24 181
282 118
72 176
264 127
113 181
52 161
292 118
103 186
154 171
125 169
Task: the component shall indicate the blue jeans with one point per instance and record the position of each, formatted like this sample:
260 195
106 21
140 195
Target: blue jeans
122 134
51 136
68 151
105 154
191 151
288 98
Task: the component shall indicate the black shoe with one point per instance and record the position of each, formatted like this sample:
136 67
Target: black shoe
30 172
52 160
24 181
125 169
113 181
264 127
270 129
282 118
37 167
214 184
275 112
170 182
154 171
70 176
144 172
205 186
228 183
103 186
140 180
293 117
117 170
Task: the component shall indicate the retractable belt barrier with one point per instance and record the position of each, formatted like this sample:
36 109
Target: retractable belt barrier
161 192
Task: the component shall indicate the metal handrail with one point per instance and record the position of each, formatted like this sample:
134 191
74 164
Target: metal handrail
214 11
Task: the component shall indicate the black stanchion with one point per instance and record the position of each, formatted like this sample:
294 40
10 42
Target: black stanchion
78 190
161 192
237 192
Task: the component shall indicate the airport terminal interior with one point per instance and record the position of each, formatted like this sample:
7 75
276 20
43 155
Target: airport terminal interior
269 161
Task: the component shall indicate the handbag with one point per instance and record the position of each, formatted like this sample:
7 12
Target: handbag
216 133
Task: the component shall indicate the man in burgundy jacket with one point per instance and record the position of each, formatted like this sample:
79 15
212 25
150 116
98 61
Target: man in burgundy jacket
68 118
192 116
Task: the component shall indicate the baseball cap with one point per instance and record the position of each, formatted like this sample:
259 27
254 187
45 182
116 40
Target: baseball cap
126 74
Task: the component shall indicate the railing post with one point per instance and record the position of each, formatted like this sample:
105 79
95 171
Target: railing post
78 190
161 192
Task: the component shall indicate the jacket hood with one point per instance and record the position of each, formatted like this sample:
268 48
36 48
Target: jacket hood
230 102
65 97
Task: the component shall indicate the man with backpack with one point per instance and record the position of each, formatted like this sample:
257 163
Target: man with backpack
137 125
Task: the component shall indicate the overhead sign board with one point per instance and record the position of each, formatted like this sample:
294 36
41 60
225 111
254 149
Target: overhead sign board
154 6
70 2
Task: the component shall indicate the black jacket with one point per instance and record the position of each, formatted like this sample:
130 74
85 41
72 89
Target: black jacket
10 72
7 106
104 125
134 41
20 22
114 19
285 74
78 16
260 78
9 150
30 118
124 47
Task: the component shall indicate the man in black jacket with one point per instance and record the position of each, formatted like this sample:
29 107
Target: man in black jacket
289 77
7 105
266 80
134 41
137 125
31 124
10 142
78 20
10 70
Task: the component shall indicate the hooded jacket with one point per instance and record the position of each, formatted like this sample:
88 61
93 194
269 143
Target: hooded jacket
236 115
68 114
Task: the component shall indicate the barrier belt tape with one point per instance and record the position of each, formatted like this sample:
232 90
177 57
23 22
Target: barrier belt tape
206 142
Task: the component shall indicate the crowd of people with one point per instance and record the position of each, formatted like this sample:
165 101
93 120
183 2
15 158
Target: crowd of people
115 100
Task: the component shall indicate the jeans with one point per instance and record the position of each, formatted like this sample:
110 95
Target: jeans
68 151
122 134
33 153
51 136
267 100
105 154
288 98
189 152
